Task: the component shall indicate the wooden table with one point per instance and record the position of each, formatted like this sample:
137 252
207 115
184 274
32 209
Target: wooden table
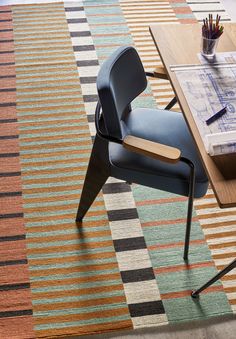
179 44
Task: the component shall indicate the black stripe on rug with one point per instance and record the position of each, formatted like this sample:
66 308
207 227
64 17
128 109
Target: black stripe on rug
10 194
6 121
3 137
90 98
13 238
116 187
76 21
7 76
15 313
11 215
88 80
79 34
7 104
146 308
6 30
129 244
6 52
141 274
20 286
7 64
74 9
9 155
91 117
122 214
85 63
14 262
83 48
10 174
7 89
6 41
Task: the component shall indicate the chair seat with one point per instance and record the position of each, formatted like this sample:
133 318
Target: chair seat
166 127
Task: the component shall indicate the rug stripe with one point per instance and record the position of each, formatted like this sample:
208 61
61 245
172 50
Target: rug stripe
201 9
16 304
89 96
118 215
67 141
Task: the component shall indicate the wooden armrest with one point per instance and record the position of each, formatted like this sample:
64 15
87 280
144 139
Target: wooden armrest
160 72
152 149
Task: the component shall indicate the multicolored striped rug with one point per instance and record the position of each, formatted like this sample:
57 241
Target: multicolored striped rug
123 269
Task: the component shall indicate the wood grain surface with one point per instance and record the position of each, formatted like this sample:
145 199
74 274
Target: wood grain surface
179 44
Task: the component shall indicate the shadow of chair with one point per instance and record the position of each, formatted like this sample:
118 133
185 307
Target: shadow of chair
150 147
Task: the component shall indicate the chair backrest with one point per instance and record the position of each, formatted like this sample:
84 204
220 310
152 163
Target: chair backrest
120 80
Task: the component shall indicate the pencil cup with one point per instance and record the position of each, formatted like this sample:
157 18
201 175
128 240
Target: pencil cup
208 48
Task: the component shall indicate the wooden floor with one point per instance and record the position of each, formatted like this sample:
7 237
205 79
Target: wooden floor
220 328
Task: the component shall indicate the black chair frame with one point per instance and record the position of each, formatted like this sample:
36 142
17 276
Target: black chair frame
100 134
172 102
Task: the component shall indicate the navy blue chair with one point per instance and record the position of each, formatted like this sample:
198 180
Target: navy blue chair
150 147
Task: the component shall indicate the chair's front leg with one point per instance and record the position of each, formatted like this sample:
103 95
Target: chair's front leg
97 173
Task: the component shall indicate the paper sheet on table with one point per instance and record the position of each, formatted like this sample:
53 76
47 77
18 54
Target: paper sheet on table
207 89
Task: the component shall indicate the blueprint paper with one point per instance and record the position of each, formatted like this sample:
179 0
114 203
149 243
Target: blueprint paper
207 89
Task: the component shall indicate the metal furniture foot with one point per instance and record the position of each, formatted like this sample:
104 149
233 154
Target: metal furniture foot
220 274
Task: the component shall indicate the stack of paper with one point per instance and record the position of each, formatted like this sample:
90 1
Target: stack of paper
220 143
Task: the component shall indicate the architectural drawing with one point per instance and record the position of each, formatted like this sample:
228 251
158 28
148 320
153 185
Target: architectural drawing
209 88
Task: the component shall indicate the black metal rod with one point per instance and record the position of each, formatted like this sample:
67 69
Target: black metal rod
171 103
190 205
150 74
220 274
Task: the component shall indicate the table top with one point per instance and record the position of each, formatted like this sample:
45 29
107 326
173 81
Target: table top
180 44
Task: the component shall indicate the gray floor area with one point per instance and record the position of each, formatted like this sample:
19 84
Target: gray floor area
217 328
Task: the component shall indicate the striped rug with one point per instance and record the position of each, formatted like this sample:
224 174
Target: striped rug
123 269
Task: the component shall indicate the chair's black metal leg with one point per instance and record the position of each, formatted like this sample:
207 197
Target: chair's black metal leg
220 274
96 176
171 103
190 208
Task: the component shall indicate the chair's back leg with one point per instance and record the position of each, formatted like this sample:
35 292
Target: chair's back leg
97 173
190 209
